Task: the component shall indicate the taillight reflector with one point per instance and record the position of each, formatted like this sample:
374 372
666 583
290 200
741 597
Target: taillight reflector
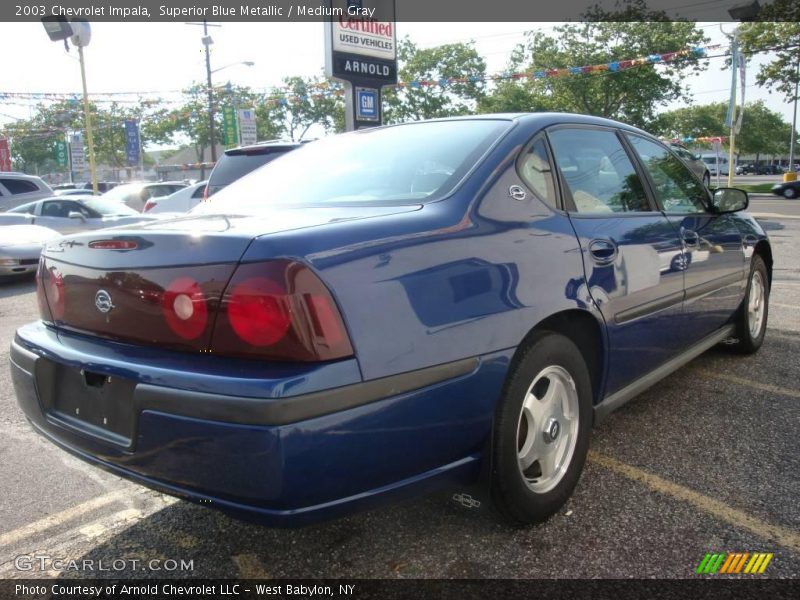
113 245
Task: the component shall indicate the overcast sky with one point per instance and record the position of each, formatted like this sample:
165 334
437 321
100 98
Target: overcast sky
158 57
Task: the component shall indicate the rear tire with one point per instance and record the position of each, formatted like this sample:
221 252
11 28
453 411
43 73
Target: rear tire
751 321
542 430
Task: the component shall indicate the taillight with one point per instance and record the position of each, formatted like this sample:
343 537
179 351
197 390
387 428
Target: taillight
279 310
50 292
148 205
185 308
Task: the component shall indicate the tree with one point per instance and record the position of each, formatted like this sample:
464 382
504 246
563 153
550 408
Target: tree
778 31
631 95
306 102
764 131
454 76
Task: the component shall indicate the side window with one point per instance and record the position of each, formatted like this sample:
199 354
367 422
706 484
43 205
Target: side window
198 193
677 189
55 208
535 169
598 172
19 186
25 209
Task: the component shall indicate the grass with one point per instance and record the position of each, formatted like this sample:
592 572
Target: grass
756 188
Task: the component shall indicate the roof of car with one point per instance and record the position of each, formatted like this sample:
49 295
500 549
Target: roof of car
266 147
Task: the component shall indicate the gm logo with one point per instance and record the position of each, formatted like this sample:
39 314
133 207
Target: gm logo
733 563
367 108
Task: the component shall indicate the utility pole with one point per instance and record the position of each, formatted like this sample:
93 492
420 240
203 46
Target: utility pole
793 176
207 41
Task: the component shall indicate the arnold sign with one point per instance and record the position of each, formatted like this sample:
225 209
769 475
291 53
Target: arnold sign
362 43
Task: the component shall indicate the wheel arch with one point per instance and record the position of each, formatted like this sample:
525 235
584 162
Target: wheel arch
585 331
764 250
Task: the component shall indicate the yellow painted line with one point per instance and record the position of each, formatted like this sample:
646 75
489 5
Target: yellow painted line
765 563
715 508
62 517
250 567
764 387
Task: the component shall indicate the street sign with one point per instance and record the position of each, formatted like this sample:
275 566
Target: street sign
368 104
77 154
248 131
5 155
132 142
229 126
361 50
62 158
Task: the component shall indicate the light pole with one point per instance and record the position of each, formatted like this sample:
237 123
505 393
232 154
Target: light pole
793 176
80 33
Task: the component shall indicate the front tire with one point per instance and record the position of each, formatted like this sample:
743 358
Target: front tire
751 321
542 430
789 193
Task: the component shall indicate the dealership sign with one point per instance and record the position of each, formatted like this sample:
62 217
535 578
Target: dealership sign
248 130
61 156
132 142
361 50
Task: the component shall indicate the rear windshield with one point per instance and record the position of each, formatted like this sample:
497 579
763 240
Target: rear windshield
234 166
405 164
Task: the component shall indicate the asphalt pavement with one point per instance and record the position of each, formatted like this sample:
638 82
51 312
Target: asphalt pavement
707 461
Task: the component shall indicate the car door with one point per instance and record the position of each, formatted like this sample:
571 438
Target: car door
55 214
715 262
631 252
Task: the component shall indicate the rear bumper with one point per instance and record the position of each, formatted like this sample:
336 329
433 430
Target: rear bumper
284 449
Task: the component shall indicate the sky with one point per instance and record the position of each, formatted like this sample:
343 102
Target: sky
157 58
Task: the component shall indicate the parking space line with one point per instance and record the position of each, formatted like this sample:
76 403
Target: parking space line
764 387
715 508
62 517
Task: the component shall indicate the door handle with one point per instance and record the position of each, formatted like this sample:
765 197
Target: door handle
603 251
690 238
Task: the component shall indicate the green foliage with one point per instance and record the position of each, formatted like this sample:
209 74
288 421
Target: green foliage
631 95
763 131
458 61
783 38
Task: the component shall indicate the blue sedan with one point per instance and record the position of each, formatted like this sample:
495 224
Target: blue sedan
442 304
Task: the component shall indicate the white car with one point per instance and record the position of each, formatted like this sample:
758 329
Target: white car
20 247
18 188
72 214
136 194
179 202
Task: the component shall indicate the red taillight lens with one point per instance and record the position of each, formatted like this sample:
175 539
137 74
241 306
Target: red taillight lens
50 293
185 308
279 310
148 205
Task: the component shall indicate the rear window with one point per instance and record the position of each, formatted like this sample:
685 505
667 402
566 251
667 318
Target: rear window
19 186
403 164
231 167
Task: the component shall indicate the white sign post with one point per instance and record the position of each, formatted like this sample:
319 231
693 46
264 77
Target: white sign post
248 132
77 155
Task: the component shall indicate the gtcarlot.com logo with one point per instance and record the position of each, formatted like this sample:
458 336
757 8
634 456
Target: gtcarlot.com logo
733 563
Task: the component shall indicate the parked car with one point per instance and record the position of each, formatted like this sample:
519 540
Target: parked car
180 202
772 170
72 214
18 188
694 162
237 162
390 311
135 195
102 186
20 247
711 162
76 192
787 189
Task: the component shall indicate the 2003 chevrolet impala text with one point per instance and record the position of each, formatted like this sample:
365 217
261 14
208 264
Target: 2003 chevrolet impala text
391 311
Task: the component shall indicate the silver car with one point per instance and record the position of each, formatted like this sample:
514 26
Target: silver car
71 214
20 247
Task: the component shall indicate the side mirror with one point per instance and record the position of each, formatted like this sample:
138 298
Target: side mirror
76 215
729 200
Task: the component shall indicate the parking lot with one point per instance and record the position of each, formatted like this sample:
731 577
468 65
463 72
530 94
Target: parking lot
707 461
